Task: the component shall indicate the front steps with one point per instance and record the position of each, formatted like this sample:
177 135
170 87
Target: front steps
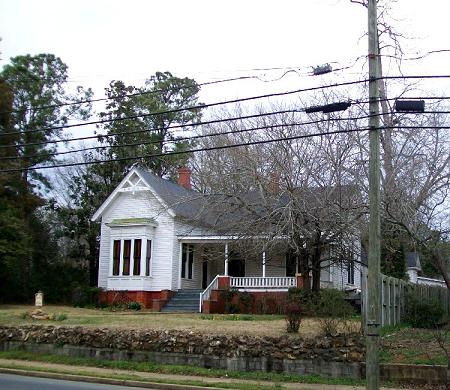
184 301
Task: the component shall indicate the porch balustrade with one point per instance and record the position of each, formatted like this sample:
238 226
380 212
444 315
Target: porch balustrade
273 283
265 283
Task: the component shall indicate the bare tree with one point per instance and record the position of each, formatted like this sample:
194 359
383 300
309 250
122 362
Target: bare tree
299 190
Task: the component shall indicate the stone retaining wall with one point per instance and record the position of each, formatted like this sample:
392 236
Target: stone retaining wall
326 356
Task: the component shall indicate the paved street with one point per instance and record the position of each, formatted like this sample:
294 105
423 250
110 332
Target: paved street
17 382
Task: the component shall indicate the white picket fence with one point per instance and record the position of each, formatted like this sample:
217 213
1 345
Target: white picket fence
393 293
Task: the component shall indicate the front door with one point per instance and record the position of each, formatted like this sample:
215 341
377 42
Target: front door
204 274
236 265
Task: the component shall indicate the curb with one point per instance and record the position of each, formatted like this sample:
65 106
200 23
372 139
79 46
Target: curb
105 381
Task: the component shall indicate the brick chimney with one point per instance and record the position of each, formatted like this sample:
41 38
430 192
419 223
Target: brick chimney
184 177
274 183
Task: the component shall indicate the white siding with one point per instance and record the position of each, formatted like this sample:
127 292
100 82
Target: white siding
275 265
339 276
184 229
140 205
104 256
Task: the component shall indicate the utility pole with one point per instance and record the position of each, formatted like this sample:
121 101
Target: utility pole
373 283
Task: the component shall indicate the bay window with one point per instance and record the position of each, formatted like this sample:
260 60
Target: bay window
128 256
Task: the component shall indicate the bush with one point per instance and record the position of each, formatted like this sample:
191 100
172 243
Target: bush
227 296
246 302
419 314
333 310
85 296
134 306
293 317
59 317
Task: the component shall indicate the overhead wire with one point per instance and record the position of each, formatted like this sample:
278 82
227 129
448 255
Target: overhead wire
195 137
197 107
180 139
212 148
195 124
232 101
287 69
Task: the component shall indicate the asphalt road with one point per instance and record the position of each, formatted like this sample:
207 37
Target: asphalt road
17 382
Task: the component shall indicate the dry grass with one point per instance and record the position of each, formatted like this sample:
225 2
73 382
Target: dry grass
12 315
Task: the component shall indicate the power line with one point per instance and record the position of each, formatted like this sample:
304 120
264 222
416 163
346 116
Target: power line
197 107
202 106
288 69
124 96
156 129
219 147
191 124
157 142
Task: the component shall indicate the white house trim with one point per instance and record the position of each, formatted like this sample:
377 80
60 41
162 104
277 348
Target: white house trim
120 188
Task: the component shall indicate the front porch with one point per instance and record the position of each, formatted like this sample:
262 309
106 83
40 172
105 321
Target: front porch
216 264
203 258
212 299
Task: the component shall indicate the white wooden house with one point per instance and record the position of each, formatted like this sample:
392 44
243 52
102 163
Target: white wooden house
154 244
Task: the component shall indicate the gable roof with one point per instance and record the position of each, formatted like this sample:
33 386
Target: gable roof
177 200
221 212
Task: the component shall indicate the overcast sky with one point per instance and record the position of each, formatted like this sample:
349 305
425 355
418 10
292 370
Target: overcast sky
101 40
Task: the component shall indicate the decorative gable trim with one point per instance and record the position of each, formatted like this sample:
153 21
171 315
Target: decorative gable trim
133 182
122 222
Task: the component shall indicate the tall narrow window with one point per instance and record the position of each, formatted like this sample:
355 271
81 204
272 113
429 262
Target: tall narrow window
126 257
351 272
187 261
191 261
116 257
137 257
148 258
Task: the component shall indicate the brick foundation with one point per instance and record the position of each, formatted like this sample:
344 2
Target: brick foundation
154 300
262 302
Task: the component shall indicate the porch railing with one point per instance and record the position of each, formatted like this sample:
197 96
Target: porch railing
266 283
205 295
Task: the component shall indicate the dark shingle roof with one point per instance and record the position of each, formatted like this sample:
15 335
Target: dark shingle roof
223 212
184 203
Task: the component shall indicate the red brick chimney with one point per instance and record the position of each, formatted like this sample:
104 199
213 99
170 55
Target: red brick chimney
274 183
184 177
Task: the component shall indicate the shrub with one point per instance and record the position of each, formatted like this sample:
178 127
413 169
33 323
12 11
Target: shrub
246 302
420 314
333 310
227 296
59 317
295 294
293 317
85 296
134 306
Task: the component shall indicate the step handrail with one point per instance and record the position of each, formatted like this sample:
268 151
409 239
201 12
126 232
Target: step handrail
205 295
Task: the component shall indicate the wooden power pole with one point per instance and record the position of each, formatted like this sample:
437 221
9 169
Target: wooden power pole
373 283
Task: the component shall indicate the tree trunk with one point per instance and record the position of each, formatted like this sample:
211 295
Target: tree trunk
441 266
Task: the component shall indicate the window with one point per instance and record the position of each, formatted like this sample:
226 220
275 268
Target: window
187 261
148 258
116 257
137 257
351 272
126 257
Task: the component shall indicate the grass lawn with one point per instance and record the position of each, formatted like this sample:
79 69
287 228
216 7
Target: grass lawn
257 325
403 344
398 344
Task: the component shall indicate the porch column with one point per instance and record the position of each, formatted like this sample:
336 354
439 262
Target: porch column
226 259
264 264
